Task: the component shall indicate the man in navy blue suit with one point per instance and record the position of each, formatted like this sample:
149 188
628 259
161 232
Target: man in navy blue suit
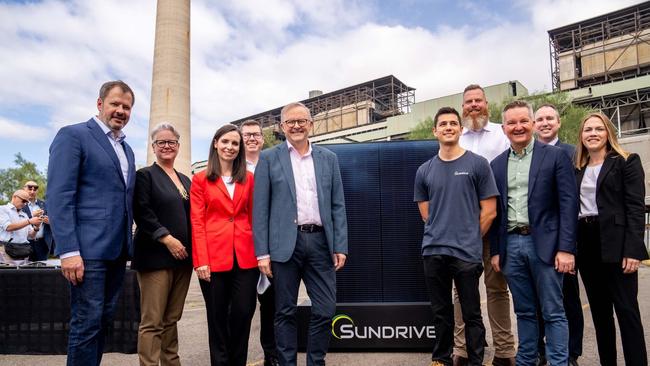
547 126
90 192
533 236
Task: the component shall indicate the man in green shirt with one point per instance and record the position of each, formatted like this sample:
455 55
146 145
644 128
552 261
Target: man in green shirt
532 240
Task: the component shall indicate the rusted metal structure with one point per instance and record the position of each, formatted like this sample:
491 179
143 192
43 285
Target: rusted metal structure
353 106
604 63
613 46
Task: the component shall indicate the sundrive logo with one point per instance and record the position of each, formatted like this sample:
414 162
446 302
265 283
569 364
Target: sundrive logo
343 327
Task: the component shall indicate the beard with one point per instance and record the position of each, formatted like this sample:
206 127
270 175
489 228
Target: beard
475 120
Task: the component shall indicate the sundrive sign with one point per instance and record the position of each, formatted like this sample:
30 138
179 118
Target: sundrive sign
343 327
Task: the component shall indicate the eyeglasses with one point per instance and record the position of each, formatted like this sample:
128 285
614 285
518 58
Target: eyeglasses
24 201
296 122
162 143
31 187
255 135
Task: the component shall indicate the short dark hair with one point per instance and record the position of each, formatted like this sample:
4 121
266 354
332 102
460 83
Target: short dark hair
445 110
473 87
552 106
213 171
251 122
520 103
109 85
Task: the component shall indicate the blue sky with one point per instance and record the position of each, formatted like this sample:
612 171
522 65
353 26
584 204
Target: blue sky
252 55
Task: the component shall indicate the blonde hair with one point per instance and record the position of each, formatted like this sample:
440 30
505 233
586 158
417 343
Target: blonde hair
582 155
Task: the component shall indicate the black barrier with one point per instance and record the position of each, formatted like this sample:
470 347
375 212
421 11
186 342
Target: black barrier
384 225
35 311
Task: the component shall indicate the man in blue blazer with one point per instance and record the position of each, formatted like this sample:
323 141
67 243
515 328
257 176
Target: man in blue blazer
91 176
533 236
300 232
547 127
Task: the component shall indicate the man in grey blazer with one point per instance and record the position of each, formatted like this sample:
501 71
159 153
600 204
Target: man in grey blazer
300 231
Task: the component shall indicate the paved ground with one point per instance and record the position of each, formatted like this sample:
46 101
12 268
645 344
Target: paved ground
193 335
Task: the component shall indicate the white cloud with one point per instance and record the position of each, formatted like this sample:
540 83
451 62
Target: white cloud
17 131
251 56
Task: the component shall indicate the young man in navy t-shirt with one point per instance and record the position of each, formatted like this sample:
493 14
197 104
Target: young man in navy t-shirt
456 196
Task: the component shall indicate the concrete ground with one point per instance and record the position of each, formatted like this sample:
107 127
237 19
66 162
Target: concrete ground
193 338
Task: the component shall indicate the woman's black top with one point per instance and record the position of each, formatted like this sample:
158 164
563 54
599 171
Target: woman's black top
160 209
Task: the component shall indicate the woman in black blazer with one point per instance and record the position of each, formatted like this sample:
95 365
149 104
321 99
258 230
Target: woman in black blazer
610 237
162 249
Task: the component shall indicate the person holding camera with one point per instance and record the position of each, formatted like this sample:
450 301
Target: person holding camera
16 229
42 242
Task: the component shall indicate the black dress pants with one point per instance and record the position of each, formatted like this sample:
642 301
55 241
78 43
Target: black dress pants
230 304
440 271
609 290
267 329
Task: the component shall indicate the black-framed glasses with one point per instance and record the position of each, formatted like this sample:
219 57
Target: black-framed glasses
162 143
30 187
296 122
24 201
249 135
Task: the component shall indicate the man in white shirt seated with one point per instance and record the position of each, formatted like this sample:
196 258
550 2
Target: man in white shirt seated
15 226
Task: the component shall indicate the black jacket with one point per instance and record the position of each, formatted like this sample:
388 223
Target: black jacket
159 210
620 195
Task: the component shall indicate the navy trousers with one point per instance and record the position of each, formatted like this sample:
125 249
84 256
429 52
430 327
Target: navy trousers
312 262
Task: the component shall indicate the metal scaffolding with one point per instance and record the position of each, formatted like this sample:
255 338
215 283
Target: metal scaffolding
629 111
375 100
604 44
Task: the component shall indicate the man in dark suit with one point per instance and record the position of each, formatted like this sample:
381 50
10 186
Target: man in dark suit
547 126
300 232
91 176
42 242
533 236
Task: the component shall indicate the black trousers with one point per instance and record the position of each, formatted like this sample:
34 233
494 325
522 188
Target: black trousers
267 329
573 310
440 271
230 304
608 291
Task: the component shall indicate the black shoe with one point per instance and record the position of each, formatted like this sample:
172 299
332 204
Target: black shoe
459 360
541 360
272 361
573 361
498 361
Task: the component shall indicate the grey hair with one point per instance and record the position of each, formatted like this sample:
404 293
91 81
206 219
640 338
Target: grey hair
293 105
164 126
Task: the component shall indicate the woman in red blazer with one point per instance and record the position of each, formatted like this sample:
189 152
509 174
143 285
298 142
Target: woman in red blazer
222 246
610 238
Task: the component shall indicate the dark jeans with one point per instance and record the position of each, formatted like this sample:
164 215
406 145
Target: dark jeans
534 282
573 310
92 305
267 329
440 271
609 290
230 304
40 250
311 261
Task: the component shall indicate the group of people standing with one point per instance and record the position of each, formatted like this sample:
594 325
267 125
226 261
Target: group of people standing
531 214
250 223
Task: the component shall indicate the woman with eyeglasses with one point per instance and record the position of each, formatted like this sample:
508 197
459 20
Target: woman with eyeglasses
162 249
223 254
610 237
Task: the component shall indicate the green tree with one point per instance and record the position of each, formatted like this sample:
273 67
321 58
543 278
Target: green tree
269 138
423 130
14 178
